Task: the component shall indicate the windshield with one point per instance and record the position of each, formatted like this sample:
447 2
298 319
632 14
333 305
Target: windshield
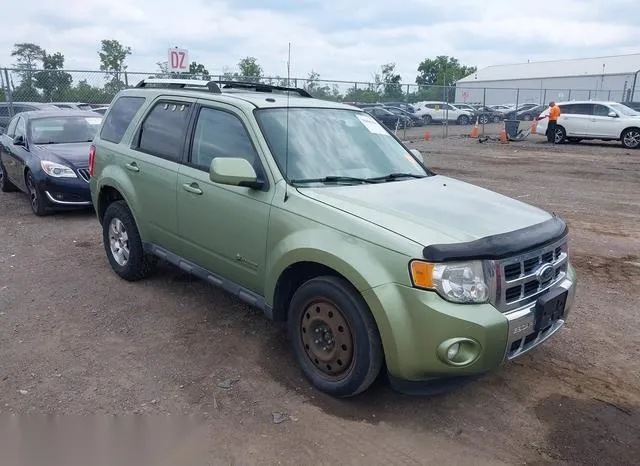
63 129
325 142
628 111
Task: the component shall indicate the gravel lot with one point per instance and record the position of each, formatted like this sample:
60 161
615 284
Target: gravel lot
75 339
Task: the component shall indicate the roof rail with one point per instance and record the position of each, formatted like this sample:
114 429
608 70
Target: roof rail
170 83
259 87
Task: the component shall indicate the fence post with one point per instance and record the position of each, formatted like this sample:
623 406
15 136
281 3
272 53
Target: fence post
517 97
569 96
407 96
609 98
484 104
126 78
589 94
545 96
9 97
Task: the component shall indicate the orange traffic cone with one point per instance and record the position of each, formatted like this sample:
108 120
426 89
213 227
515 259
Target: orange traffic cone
503 135
475 131
427 135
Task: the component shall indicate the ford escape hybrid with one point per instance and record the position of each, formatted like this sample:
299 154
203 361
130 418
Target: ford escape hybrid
315 213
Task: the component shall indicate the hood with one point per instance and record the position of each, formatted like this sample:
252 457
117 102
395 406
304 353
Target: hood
76 154
432 210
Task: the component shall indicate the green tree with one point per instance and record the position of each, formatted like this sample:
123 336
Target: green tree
199 70
314 87
442 70
54 83
112 57
390 81
28 56
249 69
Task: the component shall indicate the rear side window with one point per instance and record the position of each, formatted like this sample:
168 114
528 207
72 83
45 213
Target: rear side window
122 112
163 130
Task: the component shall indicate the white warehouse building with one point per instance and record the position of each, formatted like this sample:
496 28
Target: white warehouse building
600 78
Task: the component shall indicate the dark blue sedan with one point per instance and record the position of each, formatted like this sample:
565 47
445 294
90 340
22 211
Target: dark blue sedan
46 155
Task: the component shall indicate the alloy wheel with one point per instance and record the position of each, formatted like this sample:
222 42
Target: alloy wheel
119 242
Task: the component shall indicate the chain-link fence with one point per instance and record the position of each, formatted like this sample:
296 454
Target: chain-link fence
99 87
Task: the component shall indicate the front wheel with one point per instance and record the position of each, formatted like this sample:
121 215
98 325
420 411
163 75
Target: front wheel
631 138
334 336
36 196
560 135
123 245
463 120
427 119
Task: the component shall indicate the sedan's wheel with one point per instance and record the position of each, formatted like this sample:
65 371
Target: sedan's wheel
123 244
38 204
560 135
631 138
484 119
334 336
463 120
6 186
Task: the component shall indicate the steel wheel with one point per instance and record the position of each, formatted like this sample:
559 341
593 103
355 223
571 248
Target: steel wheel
631 138
327 339
119 242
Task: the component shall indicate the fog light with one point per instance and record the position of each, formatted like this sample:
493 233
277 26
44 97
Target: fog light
459 351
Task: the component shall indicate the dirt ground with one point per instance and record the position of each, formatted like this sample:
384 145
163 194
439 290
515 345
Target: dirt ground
75 339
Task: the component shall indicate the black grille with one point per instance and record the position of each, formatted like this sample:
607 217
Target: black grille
530 265
513 293
84 174
512 271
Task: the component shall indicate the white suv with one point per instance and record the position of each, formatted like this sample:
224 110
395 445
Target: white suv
442 111
607 121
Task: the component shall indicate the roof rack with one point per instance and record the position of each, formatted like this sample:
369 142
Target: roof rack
170 83
259 87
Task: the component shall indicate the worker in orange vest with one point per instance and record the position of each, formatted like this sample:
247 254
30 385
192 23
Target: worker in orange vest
554 114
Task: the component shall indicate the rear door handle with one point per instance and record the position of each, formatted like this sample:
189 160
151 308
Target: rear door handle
133 167
192 188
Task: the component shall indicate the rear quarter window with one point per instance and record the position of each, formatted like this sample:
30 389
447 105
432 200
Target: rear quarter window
122 112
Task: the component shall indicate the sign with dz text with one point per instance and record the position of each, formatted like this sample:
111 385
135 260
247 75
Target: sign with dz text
178 60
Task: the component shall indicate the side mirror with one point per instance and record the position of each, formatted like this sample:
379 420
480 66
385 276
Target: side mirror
613 114
19 141
234 171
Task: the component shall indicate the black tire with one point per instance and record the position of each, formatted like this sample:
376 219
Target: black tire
332 303
484 119
6 186
427 119
138 264
496 119
560 136
630 138
36 196
463 120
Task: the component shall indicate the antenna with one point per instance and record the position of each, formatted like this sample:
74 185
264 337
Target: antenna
286 150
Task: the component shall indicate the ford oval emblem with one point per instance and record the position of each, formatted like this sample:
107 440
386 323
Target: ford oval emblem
545 273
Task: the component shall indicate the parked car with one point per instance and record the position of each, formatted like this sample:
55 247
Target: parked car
501 108
8 111
530 114
512 114
315 213
45 154
387 118
403 105
442 111
486 115
606 121
467 107
73 105
413 119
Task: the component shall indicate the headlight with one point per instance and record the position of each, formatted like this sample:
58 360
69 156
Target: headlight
458 282
56 170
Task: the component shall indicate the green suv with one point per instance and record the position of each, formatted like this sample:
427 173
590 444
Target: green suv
315 213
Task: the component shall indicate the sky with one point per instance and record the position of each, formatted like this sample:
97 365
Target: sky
340 41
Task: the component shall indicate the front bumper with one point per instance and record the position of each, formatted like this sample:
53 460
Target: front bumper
65 192
414 324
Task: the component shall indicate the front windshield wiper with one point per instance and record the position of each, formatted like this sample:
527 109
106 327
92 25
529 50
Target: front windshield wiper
334 179
395 176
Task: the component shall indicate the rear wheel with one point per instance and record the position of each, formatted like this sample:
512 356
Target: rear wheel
334 336
484 119
6 186
123 245
631 138
427 119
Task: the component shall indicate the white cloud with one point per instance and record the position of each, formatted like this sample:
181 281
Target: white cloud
347 40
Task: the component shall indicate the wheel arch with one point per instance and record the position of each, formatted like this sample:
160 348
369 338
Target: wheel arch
637 128
111 189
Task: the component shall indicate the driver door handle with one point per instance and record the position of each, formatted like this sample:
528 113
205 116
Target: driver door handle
192 188
133 167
